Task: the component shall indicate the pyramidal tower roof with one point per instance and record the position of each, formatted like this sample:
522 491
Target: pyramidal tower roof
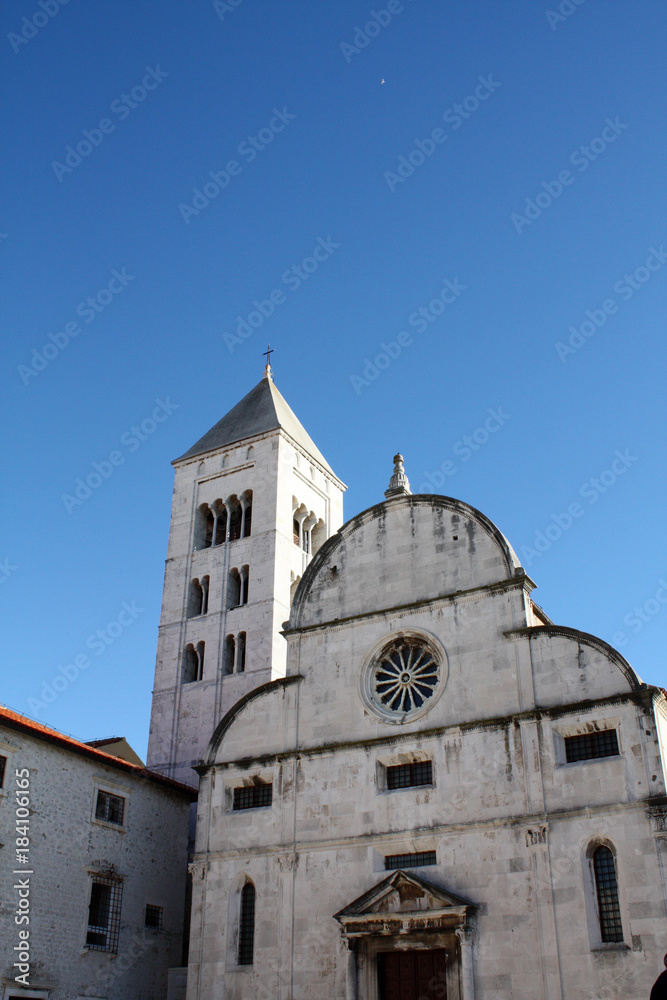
263 409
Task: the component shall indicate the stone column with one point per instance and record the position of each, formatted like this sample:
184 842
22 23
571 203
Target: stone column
464 934
287 864
351 975
537 840
198 873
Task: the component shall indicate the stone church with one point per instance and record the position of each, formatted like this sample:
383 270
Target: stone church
412 784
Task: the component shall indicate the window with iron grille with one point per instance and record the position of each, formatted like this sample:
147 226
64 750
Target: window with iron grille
416 860
409 775
252 796
611 928
110 807
3 765
153 917
106 895
247 925
591 745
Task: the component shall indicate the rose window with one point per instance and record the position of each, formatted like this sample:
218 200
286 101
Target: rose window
404 677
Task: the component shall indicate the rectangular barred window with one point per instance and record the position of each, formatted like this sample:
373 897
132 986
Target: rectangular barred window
153 917
104 914
110 808
3 765
591 745
394 861
410 775
252 796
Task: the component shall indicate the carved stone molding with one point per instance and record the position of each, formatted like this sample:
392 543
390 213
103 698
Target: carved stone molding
287 862
536 835
105 869
198 871
464 934
658 818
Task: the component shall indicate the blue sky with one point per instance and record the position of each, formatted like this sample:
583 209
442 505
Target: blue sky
487 181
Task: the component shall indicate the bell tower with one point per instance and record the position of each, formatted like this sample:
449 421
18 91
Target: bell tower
253 500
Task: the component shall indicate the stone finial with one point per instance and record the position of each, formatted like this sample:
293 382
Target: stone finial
398 484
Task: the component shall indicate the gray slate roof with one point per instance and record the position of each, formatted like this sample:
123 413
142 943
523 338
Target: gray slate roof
263 409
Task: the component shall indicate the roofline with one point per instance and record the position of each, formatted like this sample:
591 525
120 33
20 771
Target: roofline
326 469
26 725
514 567
234 711
586 639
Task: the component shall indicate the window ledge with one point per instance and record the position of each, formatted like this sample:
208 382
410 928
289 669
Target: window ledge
250 809
120 827
588 760
611 946
406 788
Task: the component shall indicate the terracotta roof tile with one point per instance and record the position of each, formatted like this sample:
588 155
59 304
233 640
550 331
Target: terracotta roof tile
17 721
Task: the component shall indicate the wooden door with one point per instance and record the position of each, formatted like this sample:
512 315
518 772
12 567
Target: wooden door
412 975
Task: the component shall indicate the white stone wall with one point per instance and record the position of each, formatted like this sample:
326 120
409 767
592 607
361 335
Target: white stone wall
512 823
66 843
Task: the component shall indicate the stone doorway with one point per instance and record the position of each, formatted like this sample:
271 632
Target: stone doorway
412 975
408 939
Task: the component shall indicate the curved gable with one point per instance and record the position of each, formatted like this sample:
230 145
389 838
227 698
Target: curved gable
400 552
255 732
571 666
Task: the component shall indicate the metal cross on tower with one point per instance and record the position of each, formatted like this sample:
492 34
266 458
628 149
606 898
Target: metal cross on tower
267 367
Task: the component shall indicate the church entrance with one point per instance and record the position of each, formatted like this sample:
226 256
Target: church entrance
412 975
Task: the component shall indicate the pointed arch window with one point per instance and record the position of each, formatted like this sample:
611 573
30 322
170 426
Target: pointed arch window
606 887
247 925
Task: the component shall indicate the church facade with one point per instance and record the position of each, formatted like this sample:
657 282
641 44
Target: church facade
412 784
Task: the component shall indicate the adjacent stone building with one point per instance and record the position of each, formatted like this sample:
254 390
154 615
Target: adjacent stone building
419 787
93 874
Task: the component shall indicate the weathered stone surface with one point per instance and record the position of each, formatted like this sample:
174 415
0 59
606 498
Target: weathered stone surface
512 824
67 847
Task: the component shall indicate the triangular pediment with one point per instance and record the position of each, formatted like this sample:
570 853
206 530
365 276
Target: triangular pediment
404 893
